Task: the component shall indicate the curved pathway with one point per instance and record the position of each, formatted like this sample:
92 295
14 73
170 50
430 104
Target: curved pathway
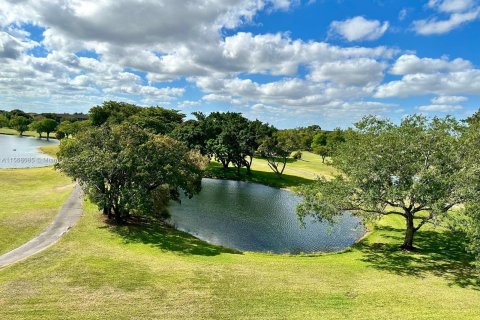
65 219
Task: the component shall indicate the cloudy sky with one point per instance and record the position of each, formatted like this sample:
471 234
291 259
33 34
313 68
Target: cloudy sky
288 62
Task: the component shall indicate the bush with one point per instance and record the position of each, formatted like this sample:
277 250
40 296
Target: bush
297 155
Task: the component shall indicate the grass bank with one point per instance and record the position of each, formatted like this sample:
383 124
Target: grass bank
30 200
50 150
12 132
98 271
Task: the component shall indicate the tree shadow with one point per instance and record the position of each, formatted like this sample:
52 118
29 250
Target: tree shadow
272 179
159 235
438 253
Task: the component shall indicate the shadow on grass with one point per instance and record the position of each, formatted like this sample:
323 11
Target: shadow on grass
439 253
272 179
164 237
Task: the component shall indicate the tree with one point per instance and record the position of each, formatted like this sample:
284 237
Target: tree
44 125
49 125
325 143
113 112
18 113
80 126
19 123
323 151
299 138
125 169
3 121
276 154
411 170
469 221
232 138
65 129
193 134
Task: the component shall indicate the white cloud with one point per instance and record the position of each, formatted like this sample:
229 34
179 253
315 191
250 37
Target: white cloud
451 5
465 82
352 72
411 64
359 29
188 104
440 108
449 100
460 12
422 76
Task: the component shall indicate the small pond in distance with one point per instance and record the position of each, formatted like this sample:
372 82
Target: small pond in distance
253 217
22 152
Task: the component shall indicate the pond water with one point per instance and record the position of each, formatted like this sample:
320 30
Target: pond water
22 152
253 217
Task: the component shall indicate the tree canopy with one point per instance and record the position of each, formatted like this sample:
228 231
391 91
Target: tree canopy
155 119
46 125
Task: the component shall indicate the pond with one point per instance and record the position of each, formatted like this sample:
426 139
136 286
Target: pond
23 152
254 217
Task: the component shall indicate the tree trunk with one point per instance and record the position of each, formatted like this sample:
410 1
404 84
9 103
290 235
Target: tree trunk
225 164
248 165
118 216
48 135
409 233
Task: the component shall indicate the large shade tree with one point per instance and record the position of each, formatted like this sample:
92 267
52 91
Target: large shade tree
411 170
125 169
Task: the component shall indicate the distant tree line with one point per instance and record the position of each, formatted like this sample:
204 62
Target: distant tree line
63 124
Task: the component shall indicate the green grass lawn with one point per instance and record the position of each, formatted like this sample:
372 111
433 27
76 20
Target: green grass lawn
98 271
30 200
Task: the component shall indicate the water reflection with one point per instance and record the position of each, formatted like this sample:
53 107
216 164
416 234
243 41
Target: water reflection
253 217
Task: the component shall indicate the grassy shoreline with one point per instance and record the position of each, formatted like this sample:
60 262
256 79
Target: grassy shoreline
12 132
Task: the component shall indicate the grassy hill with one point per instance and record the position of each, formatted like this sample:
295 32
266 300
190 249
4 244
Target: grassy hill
99 271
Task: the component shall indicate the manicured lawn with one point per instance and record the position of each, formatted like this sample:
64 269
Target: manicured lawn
30 200
99 271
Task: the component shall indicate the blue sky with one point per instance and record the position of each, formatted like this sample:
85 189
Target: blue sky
288 62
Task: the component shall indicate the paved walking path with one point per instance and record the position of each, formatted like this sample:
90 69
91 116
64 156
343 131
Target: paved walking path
65 219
